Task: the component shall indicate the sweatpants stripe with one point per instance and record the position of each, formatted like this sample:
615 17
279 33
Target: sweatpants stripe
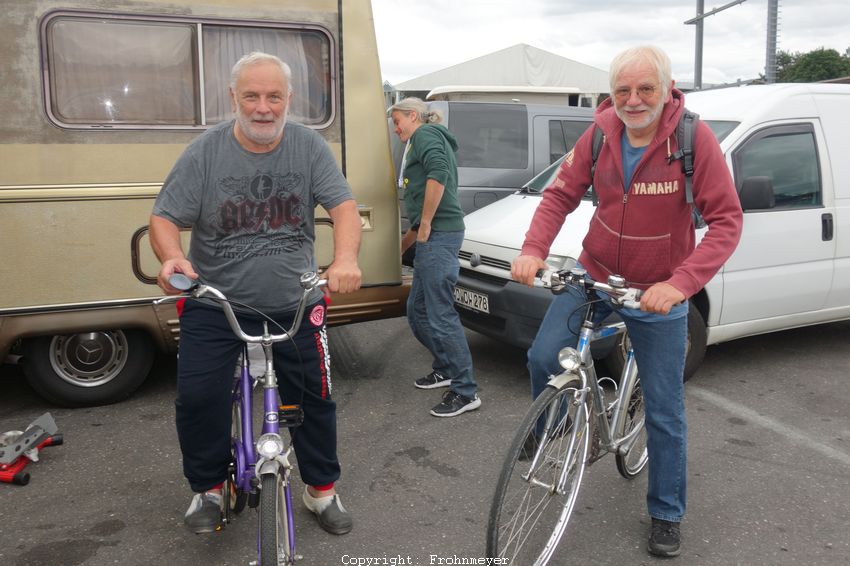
321 338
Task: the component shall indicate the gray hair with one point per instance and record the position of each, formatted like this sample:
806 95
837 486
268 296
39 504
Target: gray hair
643 53
255 58
413 104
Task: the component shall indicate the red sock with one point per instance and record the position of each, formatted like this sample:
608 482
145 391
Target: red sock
217 486
326 487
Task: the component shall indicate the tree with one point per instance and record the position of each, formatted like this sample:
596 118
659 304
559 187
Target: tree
817 65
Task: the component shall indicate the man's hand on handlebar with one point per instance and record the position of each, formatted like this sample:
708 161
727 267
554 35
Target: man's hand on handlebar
525 267
170 267
343 276
660 298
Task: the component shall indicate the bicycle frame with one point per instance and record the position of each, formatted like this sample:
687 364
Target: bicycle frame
591 385
248 466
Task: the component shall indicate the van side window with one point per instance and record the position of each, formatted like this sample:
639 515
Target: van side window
788 156
123 71
563 135
490 136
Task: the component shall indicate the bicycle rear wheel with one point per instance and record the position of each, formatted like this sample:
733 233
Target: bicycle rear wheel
274 522
529 514
634 461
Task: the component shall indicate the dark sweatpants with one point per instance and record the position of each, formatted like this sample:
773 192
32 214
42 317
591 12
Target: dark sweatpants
208 354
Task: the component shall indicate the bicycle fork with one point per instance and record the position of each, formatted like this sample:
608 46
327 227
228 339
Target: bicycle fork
274 456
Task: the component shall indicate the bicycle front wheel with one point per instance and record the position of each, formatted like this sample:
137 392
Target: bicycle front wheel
634 461
235 497
540 479
274 522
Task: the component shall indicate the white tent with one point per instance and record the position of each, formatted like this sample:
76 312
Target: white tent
521 66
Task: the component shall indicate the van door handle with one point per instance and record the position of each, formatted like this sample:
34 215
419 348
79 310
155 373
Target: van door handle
826 226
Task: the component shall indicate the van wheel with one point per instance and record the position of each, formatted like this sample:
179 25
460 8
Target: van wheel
695 349
89 368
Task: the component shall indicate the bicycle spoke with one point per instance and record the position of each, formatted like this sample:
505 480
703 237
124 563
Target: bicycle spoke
529 513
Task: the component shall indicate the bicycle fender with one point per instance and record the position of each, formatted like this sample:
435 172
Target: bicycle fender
560 380
267 467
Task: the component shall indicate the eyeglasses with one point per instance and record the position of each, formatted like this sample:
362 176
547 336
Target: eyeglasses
644 91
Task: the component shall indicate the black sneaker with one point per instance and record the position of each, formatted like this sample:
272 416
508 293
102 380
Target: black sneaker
330 513
204 513
432 381
664 539
454 404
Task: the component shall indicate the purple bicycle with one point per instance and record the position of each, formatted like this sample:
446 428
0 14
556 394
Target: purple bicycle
259 474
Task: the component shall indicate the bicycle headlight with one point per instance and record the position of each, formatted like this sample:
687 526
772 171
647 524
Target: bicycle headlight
270 446
569 359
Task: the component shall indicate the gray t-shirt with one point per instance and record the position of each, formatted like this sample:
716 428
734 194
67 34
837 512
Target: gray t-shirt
251 214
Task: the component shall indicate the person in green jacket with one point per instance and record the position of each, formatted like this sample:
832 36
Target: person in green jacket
429 177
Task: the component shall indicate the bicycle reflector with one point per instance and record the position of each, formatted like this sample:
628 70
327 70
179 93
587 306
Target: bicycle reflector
270 446
569 359
290 415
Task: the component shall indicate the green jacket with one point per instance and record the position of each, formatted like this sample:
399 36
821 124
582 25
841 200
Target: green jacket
431 155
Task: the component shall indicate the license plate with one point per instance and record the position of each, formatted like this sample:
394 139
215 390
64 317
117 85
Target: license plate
472 300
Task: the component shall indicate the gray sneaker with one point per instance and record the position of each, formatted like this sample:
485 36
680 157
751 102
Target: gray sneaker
204 513
330 513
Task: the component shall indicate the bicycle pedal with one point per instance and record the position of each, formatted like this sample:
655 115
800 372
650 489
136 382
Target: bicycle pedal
290 415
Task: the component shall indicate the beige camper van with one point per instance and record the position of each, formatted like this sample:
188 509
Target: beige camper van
97 103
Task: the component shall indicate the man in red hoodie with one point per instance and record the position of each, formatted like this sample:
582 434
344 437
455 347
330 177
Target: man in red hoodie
642 230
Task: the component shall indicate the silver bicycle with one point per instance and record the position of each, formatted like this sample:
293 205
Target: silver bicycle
568 427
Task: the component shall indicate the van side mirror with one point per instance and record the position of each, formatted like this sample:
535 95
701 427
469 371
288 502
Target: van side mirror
757 193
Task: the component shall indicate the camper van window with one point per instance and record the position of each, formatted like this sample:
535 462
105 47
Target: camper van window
490 136
306 53
140 73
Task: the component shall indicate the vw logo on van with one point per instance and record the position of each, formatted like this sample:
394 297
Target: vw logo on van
475 260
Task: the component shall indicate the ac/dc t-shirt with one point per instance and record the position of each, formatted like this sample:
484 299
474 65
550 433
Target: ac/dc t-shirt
251 214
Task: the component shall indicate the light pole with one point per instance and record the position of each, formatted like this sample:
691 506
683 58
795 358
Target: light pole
772 26
698 21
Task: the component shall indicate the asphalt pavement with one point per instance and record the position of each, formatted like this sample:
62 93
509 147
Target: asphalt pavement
769 465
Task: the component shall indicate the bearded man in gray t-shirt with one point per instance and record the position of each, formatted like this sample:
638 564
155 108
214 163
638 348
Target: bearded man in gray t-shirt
247 189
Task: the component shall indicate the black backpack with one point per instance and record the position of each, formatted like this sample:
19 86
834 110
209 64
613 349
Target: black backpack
685 132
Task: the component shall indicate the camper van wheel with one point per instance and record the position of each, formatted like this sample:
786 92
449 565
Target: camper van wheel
695 348
88 368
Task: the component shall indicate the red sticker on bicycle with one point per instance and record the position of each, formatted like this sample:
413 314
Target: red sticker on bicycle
317 315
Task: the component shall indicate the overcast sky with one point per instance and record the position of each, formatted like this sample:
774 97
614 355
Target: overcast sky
419 37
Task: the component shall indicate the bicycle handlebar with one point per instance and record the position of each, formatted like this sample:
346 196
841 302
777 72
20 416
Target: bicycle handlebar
309 282
620 294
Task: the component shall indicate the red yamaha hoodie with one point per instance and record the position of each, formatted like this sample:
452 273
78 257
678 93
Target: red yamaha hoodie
646 233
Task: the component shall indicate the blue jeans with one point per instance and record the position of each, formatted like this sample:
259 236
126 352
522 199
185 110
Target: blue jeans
659 343
431 312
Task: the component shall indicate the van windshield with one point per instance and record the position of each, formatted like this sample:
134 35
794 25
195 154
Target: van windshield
538 183
721 128
543 179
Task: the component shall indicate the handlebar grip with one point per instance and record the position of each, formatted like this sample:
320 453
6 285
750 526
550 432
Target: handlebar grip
181 282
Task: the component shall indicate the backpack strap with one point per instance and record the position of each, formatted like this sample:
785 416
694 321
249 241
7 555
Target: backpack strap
598 140
685 132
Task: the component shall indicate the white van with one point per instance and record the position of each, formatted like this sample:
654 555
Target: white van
787 148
